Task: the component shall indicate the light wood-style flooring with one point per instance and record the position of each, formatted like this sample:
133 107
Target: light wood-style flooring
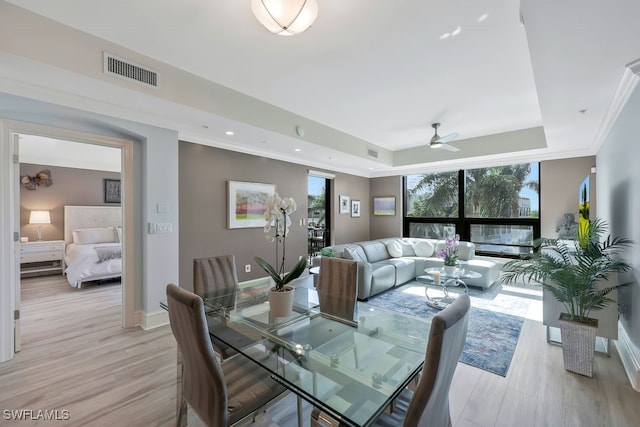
76 357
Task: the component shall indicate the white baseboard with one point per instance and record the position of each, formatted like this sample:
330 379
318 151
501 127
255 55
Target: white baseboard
630 356
151 320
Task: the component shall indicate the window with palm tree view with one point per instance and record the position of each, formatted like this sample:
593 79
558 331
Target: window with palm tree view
497 208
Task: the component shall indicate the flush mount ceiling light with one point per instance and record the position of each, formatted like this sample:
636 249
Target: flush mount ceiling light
285 17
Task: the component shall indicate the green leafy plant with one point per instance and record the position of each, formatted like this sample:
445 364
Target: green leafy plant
277 221
569 271
328 252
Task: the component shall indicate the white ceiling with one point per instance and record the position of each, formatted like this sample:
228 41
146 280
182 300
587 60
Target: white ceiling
40 150
382 71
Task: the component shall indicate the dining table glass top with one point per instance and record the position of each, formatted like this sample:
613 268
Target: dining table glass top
350 372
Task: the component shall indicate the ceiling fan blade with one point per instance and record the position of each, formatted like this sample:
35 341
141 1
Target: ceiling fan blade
449 147
450 137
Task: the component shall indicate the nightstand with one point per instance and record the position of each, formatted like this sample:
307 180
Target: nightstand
42 256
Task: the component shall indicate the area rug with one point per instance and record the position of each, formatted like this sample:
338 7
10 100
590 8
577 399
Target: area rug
491 338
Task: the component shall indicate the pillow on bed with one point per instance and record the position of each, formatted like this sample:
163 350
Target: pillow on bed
87 236
106 253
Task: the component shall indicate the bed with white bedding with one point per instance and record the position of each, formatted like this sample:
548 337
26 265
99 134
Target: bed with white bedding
93 236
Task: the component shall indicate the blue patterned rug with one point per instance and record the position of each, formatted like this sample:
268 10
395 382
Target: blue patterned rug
491 338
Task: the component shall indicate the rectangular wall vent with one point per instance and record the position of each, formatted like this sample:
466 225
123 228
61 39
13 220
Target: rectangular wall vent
128 70
372 153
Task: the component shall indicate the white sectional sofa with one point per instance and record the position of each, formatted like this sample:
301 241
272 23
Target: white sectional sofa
386 263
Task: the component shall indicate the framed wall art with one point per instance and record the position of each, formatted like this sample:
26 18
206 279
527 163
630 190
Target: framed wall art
345 206
111 190
246 203
384 205
355 208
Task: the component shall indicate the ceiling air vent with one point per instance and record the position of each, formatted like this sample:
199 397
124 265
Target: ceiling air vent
128 70
372 153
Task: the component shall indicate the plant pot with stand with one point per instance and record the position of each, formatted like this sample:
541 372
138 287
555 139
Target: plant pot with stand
572 272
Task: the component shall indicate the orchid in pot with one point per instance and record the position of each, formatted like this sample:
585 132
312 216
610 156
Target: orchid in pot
450 252
277 223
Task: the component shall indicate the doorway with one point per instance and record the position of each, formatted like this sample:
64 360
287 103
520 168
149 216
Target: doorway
319 213
11 287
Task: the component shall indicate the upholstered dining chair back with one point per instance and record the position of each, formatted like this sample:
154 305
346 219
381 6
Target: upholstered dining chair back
338 288
448 333
203 383
222 393
429 404
215 275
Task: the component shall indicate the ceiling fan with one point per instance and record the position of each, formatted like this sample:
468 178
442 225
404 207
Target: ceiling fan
438 141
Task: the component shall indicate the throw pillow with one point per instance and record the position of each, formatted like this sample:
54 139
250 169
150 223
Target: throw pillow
106 253
423 248
466 251
394 249
87 236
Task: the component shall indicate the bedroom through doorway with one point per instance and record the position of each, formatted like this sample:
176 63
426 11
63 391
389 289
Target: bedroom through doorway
70 222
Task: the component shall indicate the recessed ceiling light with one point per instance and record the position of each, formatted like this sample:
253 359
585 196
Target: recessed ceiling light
297 149
457 31
230 132
483 17
583 111
445 36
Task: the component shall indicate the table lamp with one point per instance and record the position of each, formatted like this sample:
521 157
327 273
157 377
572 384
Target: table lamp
39 218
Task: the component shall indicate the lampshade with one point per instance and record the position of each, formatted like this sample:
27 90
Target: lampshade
39 217
285 17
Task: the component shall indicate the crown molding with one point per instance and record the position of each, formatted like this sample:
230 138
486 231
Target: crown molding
627 85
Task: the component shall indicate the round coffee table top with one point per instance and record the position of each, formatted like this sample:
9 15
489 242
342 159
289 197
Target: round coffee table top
458 273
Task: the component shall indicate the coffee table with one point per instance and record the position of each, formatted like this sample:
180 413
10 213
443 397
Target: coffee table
438 278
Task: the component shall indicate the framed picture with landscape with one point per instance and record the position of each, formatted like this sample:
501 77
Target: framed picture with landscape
384 205
246 203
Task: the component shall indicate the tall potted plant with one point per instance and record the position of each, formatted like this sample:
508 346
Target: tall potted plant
570 271
277 223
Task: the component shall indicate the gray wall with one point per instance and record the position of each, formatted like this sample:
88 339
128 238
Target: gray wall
386 226
203 175
560 188
345 227
618 178
71 186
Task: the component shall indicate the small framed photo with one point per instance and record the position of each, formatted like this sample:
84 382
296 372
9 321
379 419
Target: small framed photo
384 206
344 204
111 190
355 208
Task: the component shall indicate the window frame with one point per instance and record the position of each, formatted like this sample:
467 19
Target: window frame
463 224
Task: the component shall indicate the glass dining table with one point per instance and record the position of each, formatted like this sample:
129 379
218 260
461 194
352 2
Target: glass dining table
351 373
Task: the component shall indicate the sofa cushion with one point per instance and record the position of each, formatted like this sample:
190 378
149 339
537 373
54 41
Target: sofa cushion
354 253
423 248
383 276
405 269
375 251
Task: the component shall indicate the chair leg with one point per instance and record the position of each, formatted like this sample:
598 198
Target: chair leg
321 419
182 414
181 404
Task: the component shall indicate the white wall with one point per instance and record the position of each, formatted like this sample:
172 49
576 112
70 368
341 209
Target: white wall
618 178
